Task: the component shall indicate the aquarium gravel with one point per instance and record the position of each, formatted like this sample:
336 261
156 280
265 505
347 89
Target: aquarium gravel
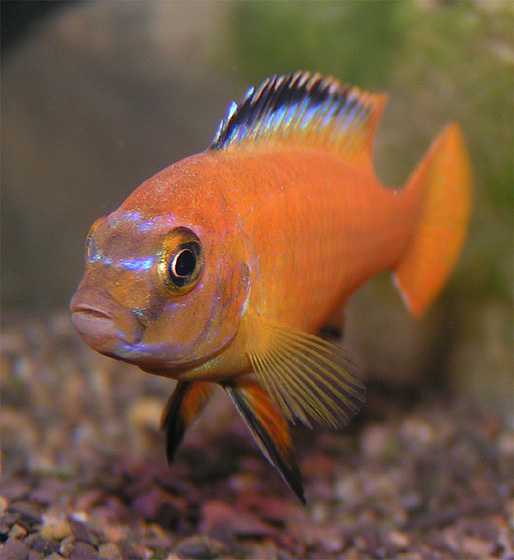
84 476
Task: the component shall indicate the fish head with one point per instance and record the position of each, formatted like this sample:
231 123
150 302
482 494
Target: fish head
159 291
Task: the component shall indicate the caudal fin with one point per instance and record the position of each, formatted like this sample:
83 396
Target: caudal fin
443 181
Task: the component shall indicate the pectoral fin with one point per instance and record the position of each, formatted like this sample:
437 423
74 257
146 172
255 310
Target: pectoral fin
270 430
306 377
183 407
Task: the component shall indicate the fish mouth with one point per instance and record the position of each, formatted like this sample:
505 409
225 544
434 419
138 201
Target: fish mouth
102 323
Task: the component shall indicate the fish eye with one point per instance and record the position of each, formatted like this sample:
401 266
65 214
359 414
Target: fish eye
183 265
181 262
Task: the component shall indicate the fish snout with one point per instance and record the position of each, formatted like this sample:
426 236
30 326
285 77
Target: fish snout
102 322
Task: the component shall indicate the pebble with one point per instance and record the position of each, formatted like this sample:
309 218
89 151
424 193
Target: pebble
328 537
222 521
55 528
506 541
89 498
348 490
18 532
26 509
67 545
375 441
7 520
199 548
399 540
14 549
506 444
145 413
129 551
3 504
417 431
79 530
114 532
48 492
244 482
83 551
158 505
40 544
113 508
273 509
156 542
15 491
477 548
109 551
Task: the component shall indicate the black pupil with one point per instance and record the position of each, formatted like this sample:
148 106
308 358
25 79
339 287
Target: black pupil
184 264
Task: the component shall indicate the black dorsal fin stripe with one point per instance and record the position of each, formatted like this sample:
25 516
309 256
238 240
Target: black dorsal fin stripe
303 106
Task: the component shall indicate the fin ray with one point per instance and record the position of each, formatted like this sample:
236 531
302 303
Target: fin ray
307 109
325 361
311 342
293 406
300 399
261 362
303 408
306 377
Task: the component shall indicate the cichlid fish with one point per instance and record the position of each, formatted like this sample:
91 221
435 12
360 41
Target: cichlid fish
224 267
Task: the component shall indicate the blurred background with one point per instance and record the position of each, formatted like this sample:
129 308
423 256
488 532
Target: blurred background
99 96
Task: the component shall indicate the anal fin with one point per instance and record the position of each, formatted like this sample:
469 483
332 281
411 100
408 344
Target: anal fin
270 430
183 407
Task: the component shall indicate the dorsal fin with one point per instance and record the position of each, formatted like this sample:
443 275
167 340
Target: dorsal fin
304 109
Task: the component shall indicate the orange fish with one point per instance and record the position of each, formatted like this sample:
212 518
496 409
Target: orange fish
224 267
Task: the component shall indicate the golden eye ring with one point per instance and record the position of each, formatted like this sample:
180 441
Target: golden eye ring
181 261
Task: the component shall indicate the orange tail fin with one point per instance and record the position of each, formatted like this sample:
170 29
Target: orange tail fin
183 407
270 430
443 181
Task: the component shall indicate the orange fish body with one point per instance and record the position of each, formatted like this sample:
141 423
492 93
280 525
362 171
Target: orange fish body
223 267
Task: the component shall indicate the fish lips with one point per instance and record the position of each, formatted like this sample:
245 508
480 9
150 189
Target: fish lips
102 323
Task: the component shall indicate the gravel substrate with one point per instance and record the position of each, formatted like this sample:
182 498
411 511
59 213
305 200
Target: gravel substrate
84 475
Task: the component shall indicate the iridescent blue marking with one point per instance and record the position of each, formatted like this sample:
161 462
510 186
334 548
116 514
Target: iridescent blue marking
133 215
138 265
132 264
94 256
132 222
328 117
308 116
292 103
169 352
276 118
139 313
290 114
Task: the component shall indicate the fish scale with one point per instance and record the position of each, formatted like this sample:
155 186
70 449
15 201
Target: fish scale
330 224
